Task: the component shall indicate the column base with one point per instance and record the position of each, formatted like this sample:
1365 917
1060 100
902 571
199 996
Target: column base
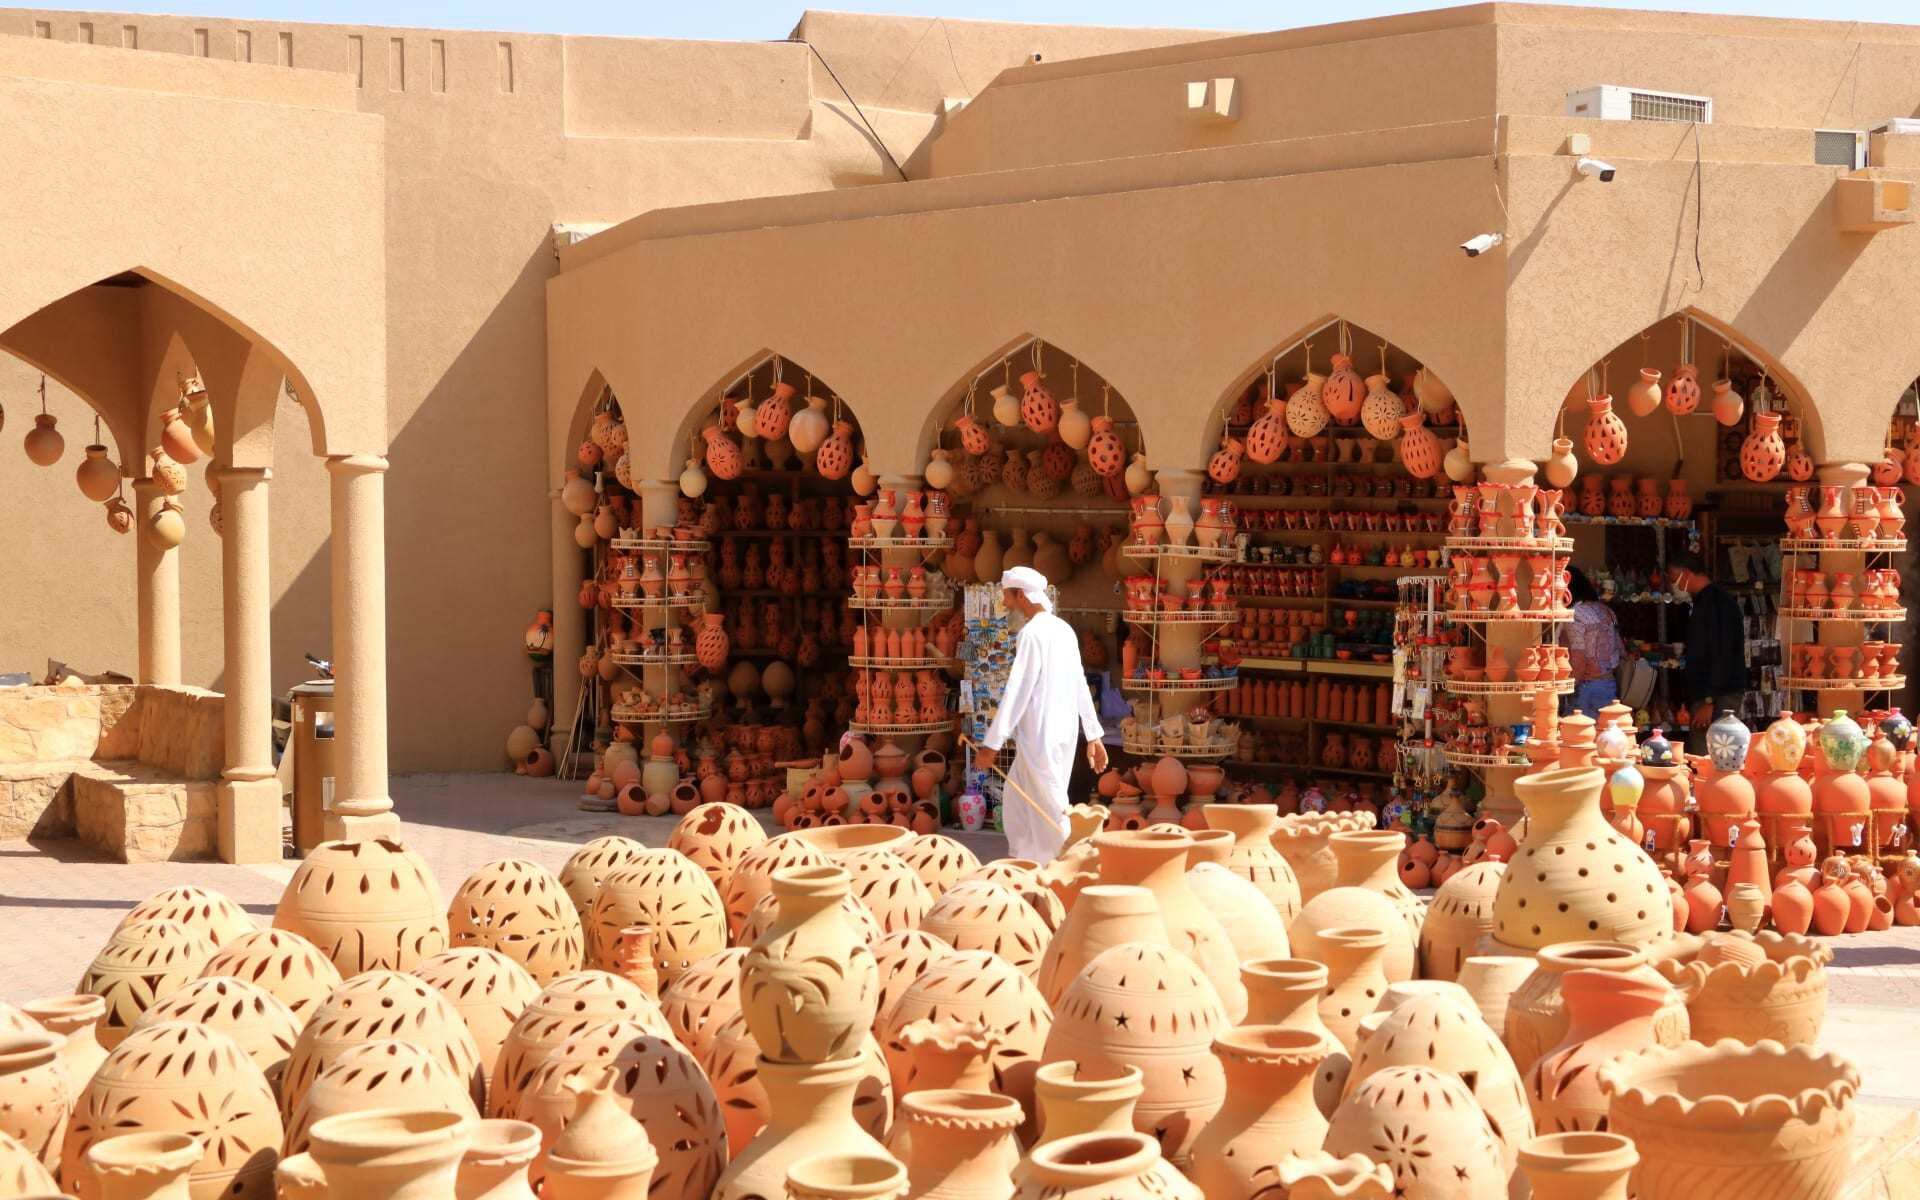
248 825
353 827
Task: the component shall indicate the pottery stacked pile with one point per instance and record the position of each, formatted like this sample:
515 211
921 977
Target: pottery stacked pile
1253 1008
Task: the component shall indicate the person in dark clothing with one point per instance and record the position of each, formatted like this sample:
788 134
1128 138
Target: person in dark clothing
1716 670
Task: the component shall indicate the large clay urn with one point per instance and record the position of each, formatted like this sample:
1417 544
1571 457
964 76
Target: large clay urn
1558 889
963 1144
36 1097
252 1016
732 1062
902 958
1370 894
1579 1166
1268 1114
519 909
1286 992
1537 1017
143 1166
1148 1006
1156 860
1423 1126
1253 856
1767 986
1734 1120
1101 1166
396 1154
810 1109
1106 915
1609 1015
809 986
365 905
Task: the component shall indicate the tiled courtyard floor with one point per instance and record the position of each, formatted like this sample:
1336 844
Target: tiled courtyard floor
58 902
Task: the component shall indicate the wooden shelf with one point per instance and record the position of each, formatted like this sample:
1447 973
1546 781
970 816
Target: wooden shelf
1319 666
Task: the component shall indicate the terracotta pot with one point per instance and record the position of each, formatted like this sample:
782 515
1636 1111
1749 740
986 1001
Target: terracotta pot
1491 981
486 988
963 1144
1073 1100
182 1078
1370 895
1751 988
1459 916
1156 860
366 905
1174 1015
1356 978
403 1154
1269 1113
1424 1127
1101 1166
664 889
202 910
38 1096
1579 1166
139 964
375 1007
252 1016
970 986
703 998
1537 1018
377 1075
888 887
1734 1120
603 1153
1253 856
765 913
1321 1176
733 1064
73 1017
494 1164
809 987
285 964
21 1173
592 863
1303 840
567 1006
143 1166
519 909
1611 892
298 1177
1252 925
939 860
1609 1015
847 1177
753 876
1286 992
1105 915
810 1109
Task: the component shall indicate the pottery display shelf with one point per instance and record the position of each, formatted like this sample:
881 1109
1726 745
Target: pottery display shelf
867 662
693 602
1855 616
1199 561
1801 622
659 656
1877 683
1462 758
657 545
661 666
923 543
1507 687
633 714
1226 681
932 602
893 554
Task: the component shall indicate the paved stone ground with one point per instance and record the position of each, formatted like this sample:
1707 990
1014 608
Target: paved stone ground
59 901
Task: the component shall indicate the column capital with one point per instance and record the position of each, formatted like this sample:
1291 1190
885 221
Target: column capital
356 464
242 474
146 487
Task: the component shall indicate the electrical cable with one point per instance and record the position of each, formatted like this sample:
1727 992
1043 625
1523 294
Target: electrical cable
871 131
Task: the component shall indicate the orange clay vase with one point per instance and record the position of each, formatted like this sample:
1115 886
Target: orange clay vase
1537 1017
1269 1111
1287 991
1609 1015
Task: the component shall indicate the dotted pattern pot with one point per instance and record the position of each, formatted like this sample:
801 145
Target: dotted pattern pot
366 905
519 909
35 1095
1460 915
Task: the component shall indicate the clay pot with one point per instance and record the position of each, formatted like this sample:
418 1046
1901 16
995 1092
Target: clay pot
603 1153
972 986
494 1164
1101 1166
1269 1112
888 888
1424 1127
1253 856
1605 434
1609 1015
1752 988
486 988
73 1017
202 910
1106 915
252 1016
142 1166
181 1078
1252 925
399 1154
1734 1120
943 1055
732 1062
1156 860
1370 895
375 1007
1459 916
36 1095
1356 978
1073 1100
569 1005
940 861
1611 892
810 1108
383 1074
1579 1166
21 1173
702 999
979 914
765 913
716 837
1174 1015
1537 1018
753 876
366 905
809 987
593 862
1286 992
1321 1176
141 963
847 1177
664 889
1491 981
285 964
519 909
963 1144
1303 839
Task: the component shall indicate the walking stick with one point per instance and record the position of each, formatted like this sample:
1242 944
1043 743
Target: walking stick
967 743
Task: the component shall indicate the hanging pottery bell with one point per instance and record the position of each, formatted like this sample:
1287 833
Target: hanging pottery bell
693 481
1606 433
1006 406
1381 411
1561 466
1075 426
1643 395
43 442
1683 391
1306 411
165 528
119 516
747 419
97 476
1433 395
810 426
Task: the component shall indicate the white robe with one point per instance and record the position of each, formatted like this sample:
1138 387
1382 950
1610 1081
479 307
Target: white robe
1046 708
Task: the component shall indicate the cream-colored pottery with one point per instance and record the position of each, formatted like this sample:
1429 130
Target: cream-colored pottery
206 912
140 964
1492 979
1287 992
375 1007
494 1165
940 861
1157 860
1093 1099
1424 1127
1252 925
1303 841
960 1144
705 996
1556 889
298 1177
590 864
752 877
810 1109
603 1154
1579 1166
21 1171
284 963
980 914
900 959
1321 1176
1253 856
1460 915
75 1017
1369 894
386 1074
809 986
394 1154
1269 1113
519 909
1356 978
366 905
767 910
664 889
36 1096
846 1177
888 887
1105 915
732 1062
143 1166
488 990
566 1006
1754 987
253 1017
974 985
1102 1166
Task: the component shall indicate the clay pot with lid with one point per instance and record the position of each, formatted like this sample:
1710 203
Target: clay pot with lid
1579 1166
1286 992
1148 1006
401 1154
1370 894
809 985
1269 1112
1101 1166
74 1018
1156 860
519 909
1752 988
1537 1017
1424 1127
141 963
36 1096
1734 1120
1253 856
366 905
142 1166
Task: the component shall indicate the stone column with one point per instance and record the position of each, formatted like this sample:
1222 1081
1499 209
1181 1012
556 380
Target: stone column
659 508
249 793
158 605
569 628
362 808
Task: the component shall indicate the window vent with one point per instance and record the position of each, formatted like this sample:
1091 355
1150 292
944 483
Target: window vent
1608 102
1840 148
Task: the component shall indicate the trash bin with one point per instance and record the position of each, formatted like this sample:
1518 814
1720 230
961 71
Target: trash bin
312 748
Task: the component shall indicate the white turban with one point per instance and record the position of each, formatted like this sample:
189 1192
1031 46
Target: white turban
1029 582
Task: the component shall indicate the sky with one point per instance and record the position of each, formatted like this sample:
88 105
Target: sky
748 20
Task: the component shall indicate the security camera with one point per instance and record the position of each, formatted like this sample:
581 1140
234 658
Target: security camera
1593 166
1480 243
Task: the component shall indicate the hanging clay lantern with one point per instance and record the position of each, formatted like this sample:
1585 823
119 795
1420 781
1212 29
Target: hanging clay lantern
1561 467
810 426
1606 433
1683 391
1139 478
835 458
693 481
1433 395
1306 410
775 412
43 442
1268 435
1075 427
1224 466
1381 411
97 476
1104 450
1728 407
1643 395
723 456
1039 411
1344 391
1763 453
1419 449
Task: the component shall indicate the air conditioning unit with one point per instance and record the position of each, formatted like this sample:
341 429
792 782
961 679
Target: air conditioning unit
1899 125
1840 148
1610 102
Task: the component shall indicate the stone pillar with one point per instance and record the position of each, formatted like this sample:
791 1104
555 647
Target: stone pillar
249 793
158 604
362 808
660 509
569 628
